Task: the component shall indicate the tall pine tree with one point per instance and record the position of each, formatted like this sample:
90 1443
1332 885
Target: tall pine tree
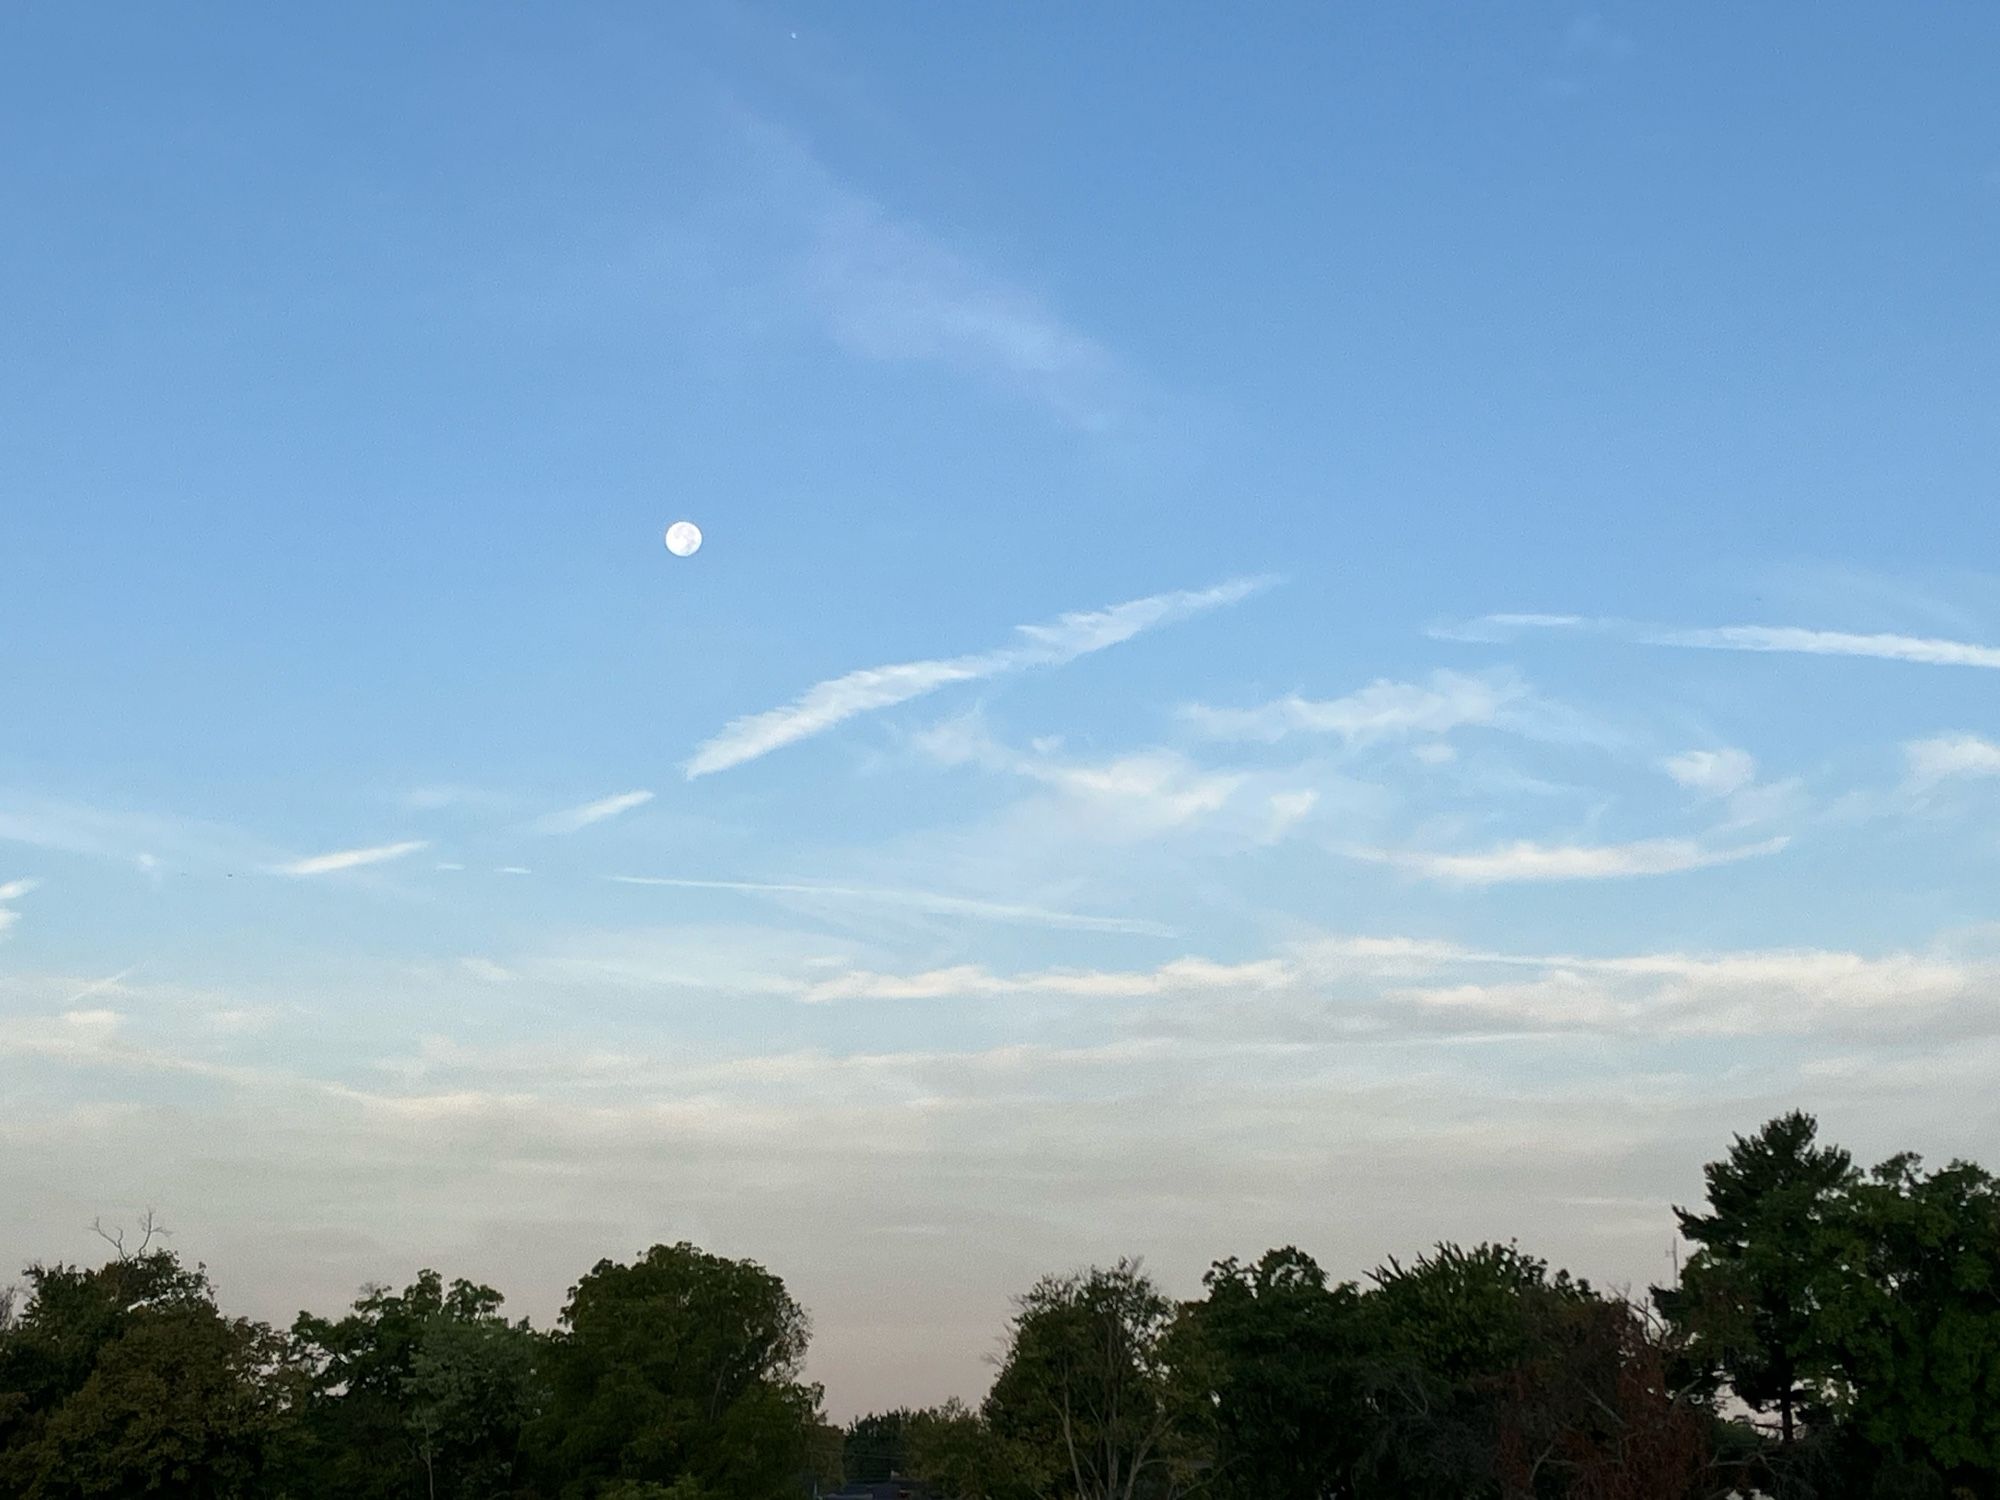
1767 1254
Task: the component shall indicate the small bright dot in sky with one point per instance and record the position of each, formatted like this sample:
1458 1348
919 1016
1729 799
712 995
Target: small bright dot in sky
683 537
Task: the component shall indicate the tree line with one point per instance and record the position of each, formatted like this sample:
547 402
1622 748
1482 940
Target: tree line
1833 1335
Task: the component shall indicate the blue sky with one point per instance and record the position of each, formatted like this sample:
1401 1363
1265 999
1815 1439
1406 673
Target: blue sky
1345 626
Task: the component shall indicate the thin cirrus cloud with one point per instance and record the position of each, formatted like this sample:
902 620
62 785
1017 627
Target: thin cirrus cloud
1382 710
352 859
571 819
1782 639
1149 791
928 901
888 291
12 890
884 289
1948 756
1526 860
1050 644
1927 650
1712 773
145 840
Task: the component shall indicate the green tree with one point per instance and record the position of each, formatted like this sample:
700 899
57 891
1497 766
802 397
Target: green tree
873 1446
824 1447
420 1392
69 1315
474 1384
126 1380
1914 1331
1767 1258
955 1449
680 1368
683 1488
1286 1354
1456 1342
1096 1390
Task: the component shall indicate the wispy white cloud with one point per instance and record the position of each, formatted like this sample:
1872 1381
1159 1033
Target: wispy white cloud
1746 993
145 841
1929 651
1382 710
239 1020
1381 988
1149 791
442 795
1495 629
928 901
1288 809
1713 773
1139 794
351 859
1766 802
1729 777
1143 794
110 982
1525 860
972 980
570 819
1946 756
13 890
1785 639
883 288
887 290
1814 587
1590 47
1061 640
1554 622
1590 35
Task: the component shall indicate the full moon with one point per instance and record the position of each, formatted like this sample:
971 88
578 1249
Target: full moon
683 537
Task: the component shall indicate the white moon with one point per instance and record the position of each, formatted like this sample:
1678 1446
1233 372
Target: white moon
683 538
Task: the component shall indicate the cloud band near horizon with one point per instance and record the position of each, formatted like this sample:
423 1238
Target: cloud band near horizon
1525 860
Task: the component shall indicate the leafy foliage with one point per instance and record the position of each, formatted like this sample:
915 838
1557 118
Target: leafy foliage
1287 1356
1912 1329
1091 1398
1768 1252
126 1380
873 1447
680 1368
955 1449
428 1387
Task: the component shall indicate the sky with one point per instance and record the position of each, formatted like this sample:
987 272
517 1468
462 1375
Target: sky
1335 625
